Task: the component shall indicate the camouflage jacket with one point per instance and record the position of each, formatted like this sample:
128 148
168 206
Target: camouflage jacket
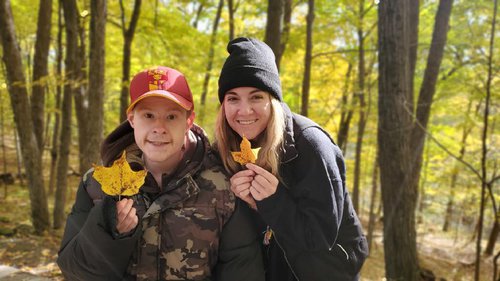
180 223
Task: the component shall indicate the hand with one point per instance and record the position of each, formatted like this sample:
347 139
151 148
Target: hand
240 185
126 218
264 184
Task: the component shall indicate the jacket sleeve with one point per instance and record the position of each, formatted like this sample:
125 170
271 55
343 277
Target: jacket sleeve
309 220
88 251
240 255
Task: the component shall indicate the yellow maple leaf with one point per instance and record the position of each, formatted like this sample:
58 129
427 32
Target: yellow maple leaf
247 154
119 179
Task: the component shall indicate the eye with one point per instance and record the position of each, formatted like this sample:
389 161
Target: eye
171 117
148 115
231 98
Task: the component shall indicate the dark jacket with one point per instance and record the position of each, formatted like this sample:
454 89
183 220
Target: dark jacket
316 232
179 229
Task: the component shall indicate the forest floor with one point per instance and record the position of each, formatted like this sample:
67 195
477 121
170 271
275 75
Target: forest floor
447 258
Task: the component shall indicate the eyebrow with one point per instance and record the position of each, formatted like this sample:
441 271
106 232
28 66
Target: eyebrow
169 110
251 92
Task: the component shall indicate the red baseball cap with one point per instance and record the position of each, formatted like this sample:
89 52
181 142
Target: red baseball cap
162 82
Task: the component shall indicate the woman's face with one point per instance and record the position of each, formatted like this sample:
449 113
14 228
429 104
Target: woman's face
247 111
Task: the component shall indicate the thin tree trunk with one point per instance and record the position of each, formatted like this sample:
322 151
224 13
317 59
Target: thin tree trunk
211 52
495 265
346 113
362 108
22 116
19 158
40 70
70 86
307 59
484 152
198 14
98 11
273 27
128 37
287 22
57 116
371 220
231 10
495 230
454 176
428 89
4 154
80 92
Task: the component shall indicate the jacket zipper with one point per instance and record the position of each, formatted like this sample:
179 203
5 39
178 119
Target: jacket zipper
158 249
286 259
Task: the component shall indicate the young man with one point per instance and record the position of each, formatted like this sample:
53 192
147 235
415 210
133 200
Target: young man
171 229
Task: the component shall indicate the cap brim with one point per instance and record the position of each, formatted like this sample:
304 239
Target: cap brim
187 105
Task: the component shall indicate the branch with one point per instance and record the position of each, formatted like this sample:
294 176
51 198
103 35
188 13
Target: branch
476 172
340 52
494 180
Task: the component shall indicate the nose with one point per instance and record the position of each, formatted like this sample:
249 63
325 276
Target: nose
245 108
159 127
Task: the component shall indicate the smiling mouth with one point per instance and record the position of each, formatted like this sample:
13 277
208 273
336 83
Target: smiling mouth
246 122
157 143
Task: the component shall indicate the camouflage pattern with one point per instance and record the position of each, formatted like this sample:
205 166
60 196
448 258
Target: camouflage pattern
181 225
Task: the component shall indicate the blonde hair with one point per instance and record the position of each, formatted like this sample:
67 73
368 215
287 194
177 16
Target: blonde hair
271 141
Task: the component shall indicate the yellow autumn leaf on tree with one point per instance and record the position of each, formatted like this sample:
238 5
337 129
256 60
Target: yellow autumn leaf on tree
247 154
119 179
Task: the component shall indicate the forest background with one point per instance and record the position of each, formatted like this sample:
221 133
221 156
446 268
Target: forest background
408 89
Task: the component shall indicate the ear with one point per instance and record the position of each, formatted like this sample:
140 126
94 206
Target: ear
130 118
190 120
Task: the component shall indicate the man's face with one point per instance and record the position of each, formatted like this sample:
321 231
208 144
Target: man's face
160 127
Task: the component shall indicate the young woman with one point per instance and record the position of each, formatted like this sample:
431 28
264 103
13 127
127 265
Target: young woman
297 185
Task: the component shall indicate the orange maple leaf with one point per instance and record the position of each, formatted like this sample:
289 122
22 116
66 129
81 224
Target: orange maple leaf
247 154
119 179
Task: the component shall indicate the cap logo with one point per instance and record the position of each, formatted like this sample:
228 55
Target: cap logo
156 79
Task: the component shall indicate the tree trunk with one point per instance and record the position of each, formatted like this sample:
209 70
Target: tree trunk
346 113
80 91
22 116
19 158
231 10
371 220
454 176
198 14
70 85
399 196
484 152
98 12
40 70
128 37
273 27
287 22
4 154
57 116
307 59
488 251
362 108
359 147
210 62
